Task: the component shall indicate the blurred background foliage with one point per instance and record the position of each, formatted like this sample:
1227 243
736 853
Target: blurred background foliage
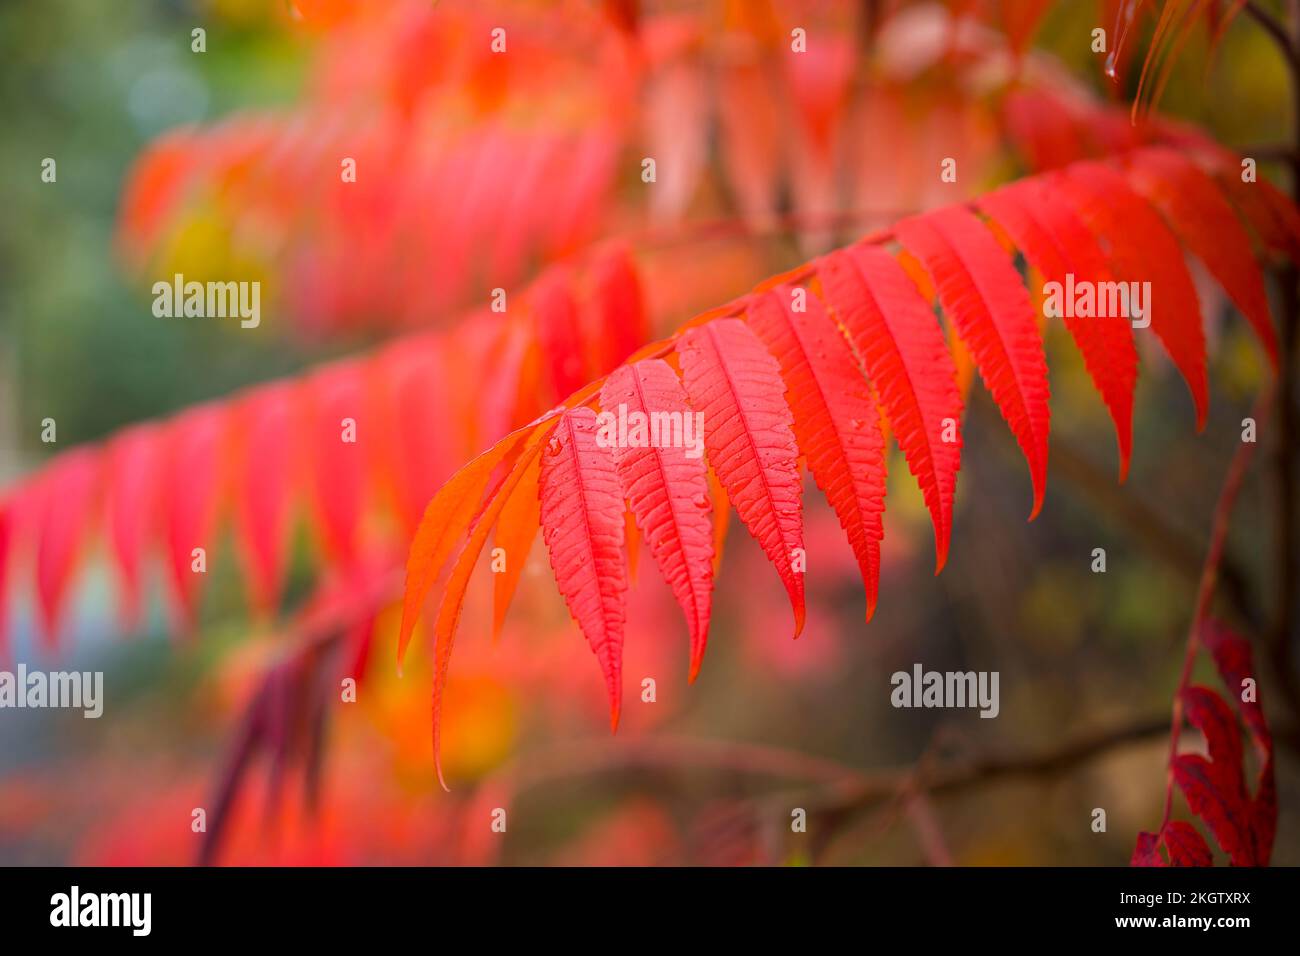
91 83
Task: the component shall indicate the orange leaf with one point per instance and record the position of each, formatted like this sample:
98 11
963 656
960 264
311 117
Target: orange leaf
515 531
446 519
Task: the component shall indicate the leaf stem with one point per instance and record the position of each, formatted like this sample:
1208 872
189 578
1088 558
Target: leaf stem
1209 577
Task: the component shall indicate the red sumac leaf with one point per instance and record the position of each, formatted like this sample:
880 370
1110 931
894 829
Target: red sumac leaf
582 524
986 300
131 507
729 378
1143 249
836 421
1147 851
1198 212
1209 793
1185 844
902 347
667 488
68 497
1059 246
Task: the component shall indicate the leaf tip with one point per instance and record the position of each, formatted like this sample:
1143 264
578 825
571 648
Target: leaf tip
404 632
697 660
1201 398
1038 478
437 758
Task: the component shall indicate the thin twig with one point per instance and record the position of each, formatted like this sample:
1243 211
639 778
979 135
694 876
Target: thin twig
1288 546
929 831
1275 28
1209 576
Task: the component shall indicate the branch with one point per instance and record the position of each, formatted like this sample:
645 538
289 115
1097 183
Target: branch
990 769
840 787
1272 152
